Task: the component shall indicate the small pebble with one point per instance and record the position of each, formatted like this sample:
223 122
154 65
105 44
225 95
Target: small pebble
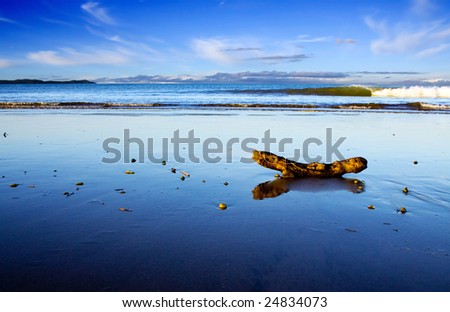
173 170
222 206
182 178
276 175
79 183
14 185
163 162
129 172
415 162
405 190
203 181
133 160
371 207
125 210
225 183
403 210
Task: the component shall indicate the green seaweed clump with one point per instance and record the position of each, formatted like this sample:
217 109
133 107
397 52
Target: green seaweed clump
333 91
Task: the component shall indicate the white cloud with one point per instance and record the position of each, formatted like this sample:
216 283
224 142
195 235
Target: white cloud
276 59
346 41
48 57
306 38
134 45
432 51
69 56
443 34
213 49
422 7
99 13
116 38
5 63
7 20
240 50
412 35
57 22
377 26
399 42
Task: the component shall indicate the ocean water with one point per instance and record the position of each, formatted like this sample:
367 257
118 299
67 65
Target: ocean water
193 95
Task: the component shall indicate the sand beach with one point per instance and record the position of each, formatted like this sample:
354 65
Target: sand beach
73 220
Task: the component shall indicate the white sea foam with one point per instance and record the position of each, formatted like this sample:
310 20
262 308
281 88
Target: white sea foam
414 92
434 106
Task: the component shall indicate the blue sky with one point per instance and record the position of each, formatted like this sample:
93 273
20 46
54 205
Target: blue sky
298 40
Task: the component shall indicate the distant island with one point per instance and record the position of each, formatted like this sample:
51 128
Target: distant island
37 81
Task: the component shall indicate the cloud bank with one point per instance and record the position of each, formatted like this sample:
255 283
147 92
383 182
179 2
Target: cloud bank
240 77
281 77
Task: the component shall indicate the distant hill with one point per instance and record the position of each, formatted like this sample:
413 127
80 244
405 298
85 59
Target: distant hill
37 81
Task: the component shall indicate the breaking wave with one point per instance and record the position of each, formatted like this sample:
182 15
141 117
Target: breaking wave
414 92
401 92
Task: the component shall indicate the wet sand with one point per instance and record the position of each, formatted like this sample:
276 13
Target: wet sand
294 235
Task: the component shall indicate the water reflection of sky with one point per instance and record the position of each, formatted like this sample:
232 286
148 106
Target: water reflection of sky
176 238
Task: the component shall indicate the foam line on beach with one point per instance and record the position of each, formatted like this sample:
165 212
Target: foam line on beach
413 106
78 105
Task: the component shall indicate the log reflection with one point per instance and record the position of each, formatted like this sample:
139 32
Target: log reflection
277 187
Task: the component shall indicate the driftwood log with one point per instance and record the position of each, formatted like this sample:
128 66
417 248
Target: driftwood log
293 169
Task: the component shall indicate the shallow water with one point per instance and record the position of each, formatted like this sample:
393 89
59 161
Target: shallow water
317 236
